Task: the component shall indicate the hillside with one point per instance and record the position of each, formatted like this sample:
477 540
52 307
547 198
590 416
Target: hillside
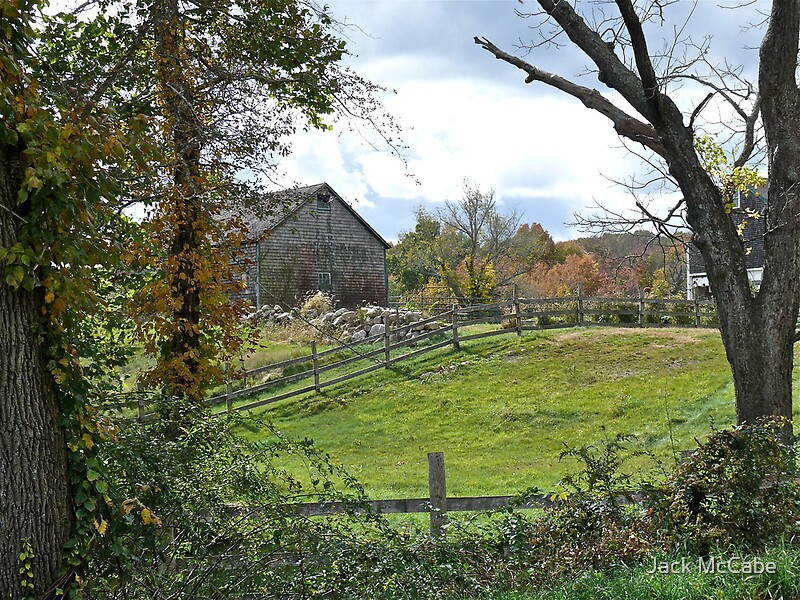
502 410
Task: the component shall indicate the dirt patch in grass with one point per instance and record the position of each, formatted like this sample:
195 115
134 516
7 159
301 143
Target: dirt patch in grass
676 335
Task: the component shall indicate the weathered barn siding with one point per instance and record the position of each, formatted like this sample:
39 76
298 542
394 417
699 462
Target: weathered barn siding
292 254
248 255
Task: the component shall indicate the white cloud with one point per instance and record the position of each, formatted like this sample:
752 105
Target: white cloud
498 137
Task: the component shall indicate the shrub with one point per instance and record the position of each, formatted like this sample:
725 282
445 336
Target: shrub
592 524
740 487
200 545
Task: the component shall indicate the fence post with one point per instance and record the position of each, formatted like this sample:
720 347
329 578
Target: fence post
386 343
696 311
641 307
140 401
229 388
438 493
315 363
454 322
517 314
580 303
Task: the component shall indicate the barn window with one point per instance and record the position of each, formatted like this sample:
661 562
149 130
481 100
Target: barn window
323 203
324 279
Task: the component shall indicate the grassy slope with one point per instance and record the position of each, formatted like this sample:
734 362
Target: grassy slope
503 409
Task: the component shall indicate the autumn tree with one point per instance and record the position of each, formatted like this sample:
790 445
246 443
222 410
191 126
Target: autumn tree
224 87
758 329
486 234
563 278
414 260
530 245
35 497
233 82
470 245
631 260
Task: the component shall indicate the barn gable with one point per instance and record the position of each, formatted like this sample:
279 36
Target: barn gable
317 242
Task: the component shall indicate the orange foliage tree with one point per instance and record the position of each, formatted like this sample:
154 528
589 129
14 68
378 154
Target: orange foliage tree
562 279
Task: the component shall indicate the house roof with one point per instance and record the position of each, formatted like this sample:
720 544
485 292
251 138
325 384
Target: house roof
275 208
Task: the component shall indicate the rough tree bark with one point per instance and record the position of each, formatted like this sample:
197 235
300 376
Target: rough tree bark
35 496
758 331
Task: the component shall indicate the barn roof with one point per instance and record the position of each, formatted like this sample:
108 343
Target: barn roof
275 208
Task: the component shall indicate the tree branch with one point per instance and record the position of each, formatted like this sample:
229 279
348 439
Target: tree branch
750 119
624 124
698 109
613 72
640 52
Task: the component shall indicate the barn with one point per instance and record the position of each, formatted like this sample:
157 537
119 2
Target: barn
313 240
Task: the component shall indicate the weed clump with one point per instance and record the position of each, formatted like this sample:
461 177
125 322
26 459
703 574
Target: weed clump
316 304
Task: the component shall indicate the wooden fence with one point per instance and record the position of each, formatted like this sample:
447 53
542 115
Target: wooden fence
451 327
440 298
438 504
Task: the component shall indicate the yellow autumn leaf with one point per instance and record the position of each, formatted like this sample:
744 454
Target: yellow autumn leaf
49 296
101 527
128 505
87 439
148 518
59 305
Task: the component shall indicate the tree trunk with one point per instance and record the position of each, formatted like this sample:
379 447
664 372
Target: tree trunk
180 108
757 330
761 358
35 496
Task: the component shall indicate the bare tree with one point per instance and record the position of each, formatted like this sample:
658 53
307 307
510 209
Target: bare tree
487 232
758 330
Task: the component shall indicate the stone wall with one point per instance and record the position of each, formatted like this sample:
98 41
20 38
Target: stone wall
352 325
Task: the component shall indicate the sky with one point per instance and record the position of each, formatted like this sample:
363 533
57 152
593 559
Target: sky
467 115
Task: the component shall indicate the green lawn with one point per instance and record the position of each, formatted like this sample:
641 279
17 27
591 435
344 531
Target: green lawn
503 409
637 583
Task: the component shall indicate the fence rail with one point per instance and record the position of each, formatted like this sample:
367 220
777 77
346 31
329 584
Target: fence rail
515 315
438 504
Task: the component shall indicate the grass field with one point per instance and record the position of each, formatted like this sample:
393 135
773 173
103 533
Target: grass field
637 583
503 409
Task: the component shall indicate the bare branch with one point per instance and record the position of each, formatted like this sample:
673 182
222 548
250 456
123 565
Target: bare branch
612 71
624 124
639 44
750 119
698 109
